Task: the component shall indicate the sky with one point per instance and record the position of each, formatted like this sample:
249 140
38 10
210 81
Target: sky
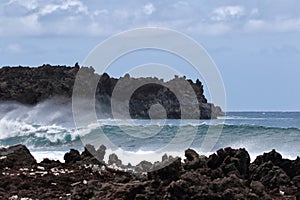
255 44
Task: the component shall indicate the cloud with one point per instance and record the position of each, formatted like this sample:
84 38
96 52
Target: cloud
279 25
71 17
209 29
75 5
227 12
148 9
28 4
254 12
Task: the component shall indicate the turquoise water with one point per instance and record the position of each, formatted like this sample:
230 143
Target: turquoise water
49 128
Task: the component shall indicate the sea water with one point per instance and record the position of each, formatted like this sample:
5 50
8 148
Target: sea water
48 130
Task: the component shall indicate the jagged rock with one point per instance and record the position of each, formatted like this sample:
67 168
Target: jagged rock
169 172
289 166
15 157
270 175
72 156
272 156
231 161
87 180
91 156
100 153
193 160
257 187
143 166
33 85
47 163
296 181
89 151
113 159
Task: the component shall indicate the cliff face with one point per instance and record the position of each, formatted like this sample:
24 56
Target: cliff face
32 85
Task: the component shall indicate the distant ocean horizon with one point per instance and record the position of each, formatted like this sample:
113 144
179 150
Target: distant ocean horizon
48 130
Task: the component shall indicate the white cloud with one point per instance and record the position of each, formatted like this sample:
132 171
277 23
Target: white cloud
100 12
227 12
70 17
280 25
28 4
148 8
69 4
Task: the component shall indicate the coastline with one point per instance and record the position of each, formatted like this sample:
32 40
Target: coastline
226 174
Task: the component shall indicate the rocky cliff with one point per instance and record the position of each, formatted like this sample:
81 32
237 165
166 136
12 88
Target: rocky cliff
32 85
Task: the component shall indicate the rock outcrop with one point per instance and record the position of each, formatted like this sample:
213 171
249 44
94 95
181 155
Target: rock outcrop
228 174
33 85
16 157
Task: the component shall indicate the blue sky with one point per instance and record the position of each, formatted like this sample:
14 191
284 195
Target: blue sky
255 44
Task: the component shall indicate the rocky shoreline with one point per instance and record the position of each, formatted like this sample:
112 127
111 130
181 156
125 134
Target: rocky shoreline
30 86
226 174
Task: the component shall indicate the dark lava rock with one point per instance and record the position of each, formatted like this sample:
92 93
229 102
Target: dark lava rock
47 163
100 153
33 85
221 176
143 166
72 156
193 160
113 159
16 157
291 167
171 171
91 156
231 161
275 173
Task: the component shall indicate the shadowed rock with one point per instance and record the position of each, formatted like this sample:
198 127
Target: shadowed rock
221 176
72 156
33 85
113 159
16 157
193 160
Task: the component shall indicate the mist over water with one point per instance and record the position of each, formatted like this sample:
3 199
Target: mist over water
48 130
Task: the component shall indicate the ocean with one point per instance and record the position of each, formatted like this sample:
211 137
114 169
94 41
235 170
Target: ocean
48 130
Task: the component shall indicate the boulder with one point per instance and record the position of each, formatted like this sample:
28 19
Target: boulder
143 166
113 159
72 156
193 160
231 161
15 157
100 153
